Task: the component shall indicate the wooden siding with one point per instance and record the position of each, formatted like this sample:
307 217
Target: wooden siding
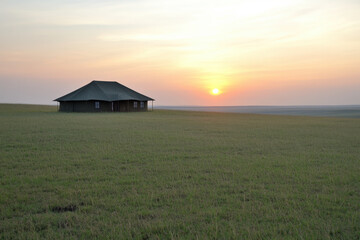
116 106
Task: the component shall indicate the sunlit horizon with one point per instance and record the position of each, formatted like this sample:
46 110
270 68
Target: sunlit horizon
177 52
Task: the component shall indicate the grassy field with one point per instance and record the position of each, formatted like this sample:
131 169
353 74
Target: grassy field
176 175
343 111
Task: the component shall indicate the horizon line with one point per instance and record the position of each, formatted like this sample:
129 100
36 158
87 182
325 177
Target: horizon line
207 106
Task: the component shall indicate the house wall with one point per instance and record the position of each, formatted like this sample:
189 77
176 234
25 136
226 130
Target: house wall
85 106
128 106
89 106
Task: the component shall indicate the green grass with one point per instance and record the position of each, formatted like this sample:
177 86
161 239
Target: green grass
175 175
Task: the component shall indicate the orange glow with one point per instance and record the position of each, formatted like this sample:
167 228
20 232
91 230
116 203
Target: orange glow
212 53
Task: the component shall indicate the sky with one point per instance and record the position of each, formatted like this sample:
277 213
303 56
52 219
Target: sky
255 52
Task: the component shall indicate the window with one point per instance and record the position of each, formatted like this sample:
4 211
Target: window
135 104
141 104
97 105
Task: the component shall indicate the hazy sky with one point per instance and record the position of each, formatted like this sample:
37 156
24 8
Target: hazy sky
255 52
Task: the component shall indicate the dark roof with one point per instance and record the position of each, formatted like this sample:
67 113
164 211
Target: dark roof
103 91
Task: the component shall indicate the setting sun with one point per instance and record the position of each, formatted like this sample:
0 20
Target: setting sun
215 91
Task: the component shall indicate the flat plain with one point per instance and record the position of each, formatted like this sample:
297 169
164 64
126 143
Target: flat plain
177 175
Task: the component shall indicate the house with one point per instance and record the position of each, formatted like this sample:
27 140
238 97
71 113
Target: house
103 96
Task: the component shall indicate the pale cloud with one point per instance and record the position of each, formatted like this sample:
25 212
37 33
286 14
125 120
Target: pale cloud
229 44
